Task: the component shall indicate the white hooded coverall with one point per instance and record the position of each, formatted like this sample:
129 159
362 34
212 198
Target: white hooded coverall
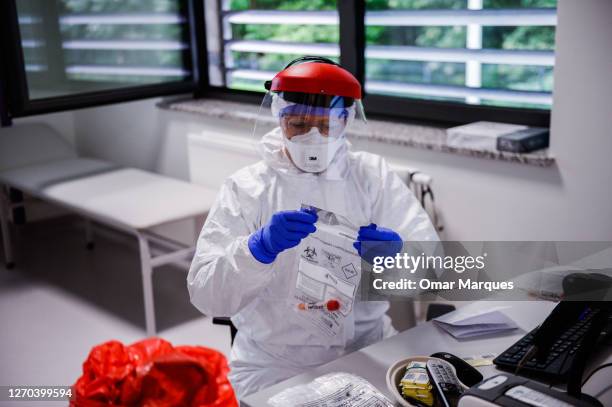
226 280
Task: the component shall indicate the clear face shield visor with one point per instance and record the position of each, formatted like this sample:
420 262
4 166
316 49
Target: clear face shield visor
313 128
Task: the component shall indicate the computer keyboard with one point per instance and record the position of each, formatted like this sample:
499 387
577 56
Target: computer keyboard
556 364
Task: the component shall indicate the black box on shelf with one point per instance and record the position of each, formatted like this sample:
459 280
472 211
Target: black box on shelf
524 141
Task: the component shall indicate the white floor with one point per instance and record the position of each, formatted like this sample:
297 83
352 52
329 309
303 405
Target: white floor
48 330
47 335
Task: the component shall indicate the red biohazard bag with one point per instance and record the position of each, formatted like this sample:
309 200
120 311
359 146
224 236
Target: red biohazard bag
153 373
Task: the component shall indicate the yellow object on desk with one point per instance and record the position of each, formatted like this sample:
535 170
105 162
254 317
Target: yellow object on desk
415 383
395 374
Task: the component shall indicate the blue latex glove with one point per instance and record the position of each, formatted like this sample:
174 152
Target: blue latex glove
391 242
285 230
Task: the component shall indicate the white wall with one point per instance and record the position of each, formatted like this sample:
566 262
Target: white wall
62 122
479 199
139 134
582 117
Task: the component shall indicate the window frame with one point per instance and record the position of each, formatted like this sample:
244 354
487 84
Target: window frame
15 101
352 57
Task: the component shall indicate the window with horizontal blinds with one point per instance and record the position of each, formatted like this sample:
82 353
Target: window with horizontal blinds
65 49
447 60
487 52
258 38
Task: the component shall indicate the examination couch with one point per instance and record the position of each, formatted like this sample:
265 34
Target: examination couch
36 160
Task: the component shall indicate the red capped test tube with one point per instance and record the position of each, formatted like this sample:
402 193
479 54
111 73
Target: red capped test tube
330 305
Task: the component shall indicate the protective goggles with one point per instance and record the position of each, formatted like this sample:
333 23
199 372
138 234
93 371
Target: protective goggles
299 118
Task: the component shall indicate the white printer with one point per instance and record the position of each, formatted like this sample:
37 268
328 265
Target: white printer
508 390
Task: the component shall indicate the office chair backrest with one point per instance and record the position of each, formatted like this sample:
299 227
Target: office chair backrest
31 143
421 186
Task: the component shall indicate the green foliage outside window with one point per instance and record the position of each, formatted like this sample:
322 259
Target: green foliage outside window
121 32
119 6
493 76
515 77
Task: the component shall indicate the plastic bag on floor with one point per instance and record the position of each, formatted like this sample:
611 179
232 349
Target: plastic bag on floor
153 373
332 390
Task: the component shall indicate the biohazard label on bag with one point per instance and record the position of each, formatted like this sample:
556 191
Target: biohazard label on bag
328 274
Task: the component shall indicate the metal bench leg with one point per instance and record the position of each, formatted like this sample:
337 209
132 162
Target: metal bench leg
6 236
147 284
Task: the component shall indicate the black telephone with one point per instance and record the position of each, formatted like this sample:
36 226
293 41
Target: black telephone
557 351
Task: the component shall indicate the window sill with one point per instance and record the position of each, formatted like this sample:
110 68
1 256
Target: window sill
404 134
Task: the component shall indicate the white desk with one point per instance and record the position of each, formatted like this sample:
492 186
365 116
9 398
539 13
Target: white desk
373 361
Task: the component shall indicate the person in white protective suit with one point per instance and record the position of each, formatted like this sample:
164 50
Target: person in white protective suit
246 256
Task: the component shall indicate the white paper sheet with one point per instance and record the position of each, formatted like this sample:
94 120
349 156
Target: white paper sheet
469 323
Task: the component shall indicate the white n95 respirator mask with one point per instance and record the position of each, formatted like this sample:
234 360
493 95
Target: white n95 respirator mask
313 152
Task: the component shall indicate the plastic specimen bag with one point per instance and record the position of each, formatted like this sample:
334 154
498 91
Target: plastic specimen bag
332 390
329 271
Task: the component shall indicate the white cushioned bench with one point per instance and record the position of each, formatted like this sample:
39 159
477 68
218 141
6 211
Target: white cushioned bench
36 160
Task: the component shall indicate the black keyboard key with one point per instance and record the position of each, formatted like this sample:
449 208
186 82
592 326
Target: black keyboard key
555 366
514 349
